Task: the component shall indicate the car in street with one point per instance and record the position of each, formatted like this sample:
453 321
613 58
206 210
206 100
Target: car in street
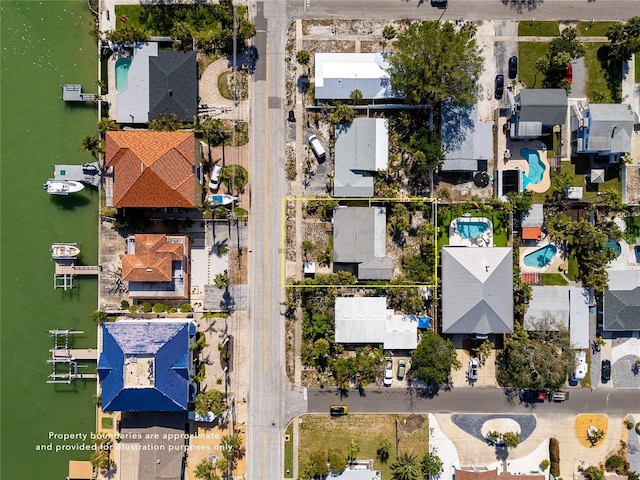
581 366
499 90
214 182
473 370
605 371
402 366
388 372
338 410
513 67
532 395
569 75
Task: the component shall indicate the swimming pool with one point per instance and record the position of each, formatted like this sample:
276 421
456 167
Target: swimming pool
122 74
536 167
471 229
615 246
541 257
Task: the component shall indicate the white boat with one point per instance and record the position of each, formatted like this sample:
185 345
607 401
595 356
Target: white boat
64 251
62 187
222 199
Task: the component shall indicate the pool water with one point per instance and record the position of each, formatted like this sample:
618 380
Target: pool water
536 167
471 229
122 74
541 257
615 246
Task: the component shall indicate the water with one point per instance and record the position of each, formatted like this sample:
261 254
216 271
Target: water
122 74
536 167
471 229
541 257
42 45
615 246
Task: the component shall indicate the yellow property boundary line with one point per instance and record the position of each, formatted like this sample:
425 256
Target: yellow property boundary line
433 201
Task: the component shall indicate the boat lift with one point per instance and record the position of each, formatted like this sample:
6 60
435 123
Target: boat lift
64 361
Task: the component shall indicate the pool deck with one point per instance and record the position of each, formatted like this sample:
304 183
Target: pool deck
517 161
552 267
483 240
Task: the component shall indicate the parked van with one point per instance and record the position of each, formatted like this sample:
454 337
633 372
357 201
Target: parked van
317 147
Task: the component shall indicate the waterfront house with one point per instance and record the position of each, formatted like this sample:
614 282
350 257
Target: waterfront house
146 365
367 320
361 149
153 169
359 242
152 83
157 266
477 286
339 74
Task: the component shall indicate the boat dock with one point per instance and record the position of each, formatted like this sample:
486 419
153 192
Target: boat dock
88 173
66 270
64 360
72 92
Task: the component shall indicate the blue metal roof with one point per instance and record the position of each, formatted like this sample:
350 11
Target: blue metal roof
168 343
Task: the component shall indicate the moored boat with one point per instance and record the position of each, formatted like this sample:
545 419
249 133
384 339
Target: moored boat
62 187
64 251
222 199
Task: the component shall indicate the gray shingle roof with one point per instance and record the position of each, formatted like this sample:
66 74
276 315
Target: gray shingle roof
545 105
534 217
610 129
173 85
477 290
359 237
622 310
465 139
361 148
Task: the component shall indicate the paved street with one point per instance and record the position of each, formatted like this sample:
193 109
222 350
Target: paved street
472 400
467 9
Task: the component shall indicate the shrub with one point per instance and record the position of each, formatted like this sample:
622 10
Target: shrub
146 307
124 305
614 462
186 308
554 456
158 308
544 464
629 424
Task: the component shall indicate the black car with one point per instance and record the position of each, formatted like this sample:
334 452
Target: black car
513 67
499 86
532 396
605 371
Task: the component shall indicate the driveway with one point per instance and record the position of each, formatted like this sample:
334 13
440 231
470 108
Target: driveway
579 84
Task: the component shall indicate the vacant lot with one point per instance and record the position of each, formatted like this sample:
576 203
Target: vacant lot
367 431
538 29
604 77
529 53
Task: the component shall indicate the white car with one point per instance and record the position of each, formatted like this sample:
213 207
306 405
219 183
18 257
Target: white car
214 183
581 366
473 370
388 372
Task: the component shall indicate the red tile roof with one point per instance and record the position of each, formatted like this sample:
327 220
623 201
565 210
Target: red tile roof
153 257
153 169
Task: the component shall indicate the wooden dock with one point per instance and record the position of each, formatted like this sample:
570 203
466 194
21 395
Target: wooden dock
66 270
75 353
88 173
72 92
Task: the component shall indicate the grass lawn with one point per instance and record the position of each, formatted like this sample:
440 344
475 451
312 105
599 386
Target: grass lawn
107 423
604 82
288 453
538 29
161 21
572 268
529 53
595 29
367 431
633 229
637 62
576 169
553 279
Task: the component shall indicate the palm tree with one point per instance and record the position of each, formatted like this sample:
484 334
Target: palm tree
355 95
388 34
406 467
91 144
215 131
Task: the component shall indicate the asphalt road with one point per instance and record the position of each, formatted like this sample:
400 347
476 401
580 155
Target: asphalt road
467 9
471 400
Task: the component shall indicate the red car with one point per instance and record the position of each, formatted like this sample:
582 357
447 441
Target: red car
569 76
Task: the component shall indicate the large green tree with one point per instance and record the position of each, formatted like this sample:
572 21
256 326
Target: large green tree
539 358
433 359
434 61
431 465
625 38
562 50
210 401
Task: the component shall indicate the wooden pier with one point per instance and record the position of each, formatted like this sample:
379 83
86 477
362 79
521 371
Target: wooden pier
66 270
88 173
72 92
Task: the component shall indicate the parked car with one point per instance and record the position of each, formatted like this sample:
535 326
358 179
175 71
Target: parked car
605 371
338 410
532 396
473 370
513 67
402 365
559 396
499 86
388 372
569 76
317 147
581 366
214 183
